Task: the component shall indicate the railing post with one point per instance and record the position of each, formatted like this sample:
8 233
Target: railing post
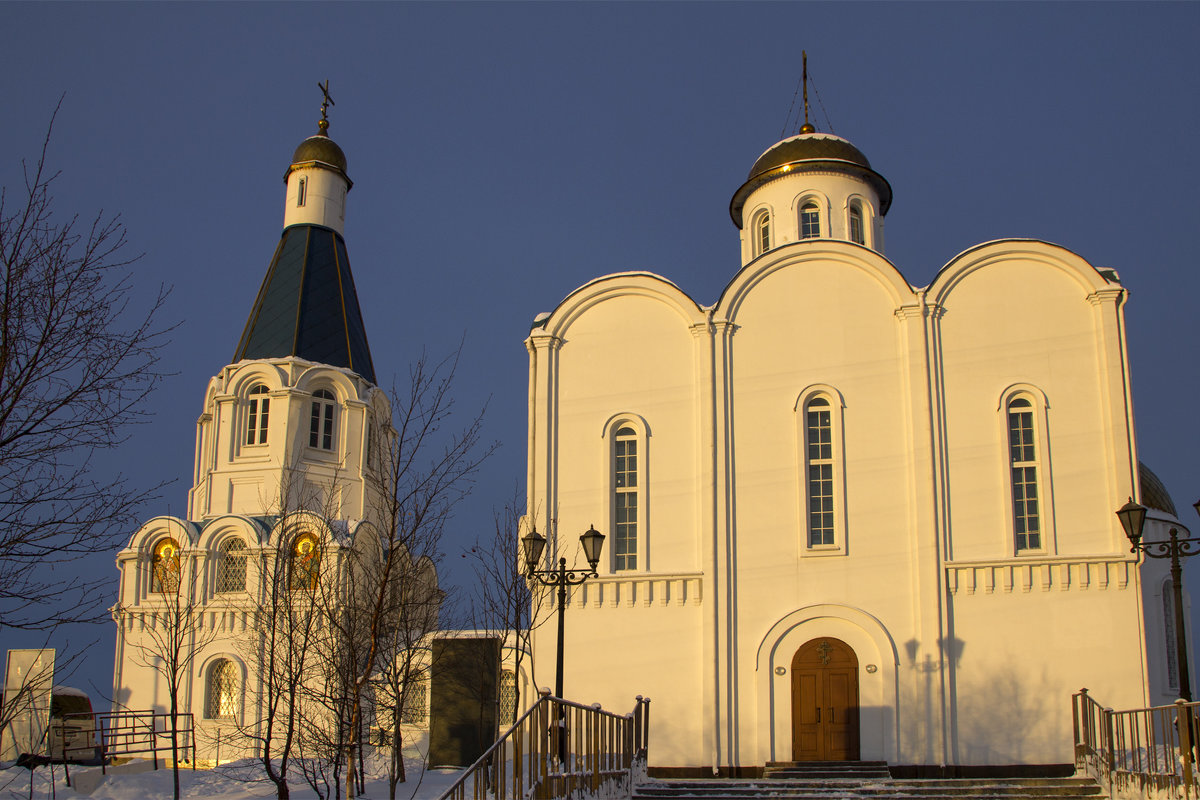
1112 751
1183 722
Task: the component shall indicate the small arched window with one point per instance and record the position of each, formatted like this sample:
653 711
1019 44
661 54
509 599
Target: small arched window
1023 462
302 191
762 234
304 570
164 576
222 688
231 566
856 224
256 421
810 221
320 431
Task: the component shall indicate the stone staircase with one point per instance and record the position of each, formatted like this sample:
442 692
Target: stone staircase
863 780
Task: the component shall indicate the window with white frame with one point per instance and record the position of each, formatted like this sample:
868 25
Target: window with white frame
810 221
320 431
819 466
231 566
625 499
1023 463
762 233
222 688
259 409
856 224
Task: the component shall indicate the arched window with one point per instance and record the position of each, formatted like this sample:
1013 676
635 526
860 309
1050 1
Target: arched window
164 575
305 567
231 566
222 690
762 233
508 697
810 221
256 422
301 191
625 499
320 431
856 224
818 442
1023 461
1168 601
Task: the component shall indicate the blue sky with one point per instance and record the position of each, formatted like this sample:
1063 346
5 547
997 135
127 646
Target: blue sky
505 153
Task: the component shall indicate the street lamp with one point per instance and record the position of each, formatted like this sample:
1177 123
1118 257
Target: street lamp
533 543
1133 517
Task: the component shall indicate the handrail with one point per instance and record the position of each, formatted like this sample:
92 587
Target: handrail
558 749
1143 750
121 733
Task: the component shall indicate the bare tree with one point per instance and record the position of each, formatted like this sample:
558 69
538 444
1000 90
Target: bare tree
175 636
504 604
77 361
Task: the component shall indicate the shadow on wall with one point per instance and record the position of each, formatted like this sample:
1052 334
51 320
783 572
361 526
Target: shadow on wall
1011 712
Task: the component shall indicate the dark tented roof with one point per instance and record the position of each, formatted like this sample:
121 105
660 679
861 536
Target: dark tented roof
307 306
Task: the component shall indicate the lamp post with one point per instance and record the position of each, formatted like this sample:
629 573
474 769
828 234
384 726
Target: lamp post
1133 518
533 543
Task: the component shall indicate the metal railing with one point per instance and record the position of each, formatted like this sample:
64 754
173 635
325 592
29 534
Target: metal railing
1140 750
126 733
559 749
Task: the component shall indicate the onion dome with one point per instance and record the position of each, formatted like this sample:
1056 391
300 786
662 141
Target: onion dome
1154 492
811 151
320 150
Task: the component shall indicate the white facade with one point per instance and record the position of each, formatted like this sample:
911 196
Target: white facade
826 454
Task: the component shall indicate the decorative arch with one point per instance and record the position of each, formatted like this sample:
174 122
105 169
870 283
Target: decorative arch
874 647
622 284
248 373
867 211
227 525
965 264
320 376
844 254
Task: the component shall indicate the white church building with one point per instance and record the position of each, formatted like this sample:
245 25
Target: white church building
848 517
286 482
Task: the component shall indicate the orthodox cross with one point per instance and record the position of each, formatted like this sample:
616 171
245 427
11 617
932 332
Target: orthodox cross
823 650
325 104
804 80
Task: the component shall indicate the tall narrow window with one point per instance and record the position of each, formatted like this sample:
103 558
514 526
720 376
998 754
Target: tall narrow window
231 566
819 456
320 431
164 576
414 708
256 423
222 690
1168 601
305 567
625 499
810 221
302 191
763 233
1022 449
856 224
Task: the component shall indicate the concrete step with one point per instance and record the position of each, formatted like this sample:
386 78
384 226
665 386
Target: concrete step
872 789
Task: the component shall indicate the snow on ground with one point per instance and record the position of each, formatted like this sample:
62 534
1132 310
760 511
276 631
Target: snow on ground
138 780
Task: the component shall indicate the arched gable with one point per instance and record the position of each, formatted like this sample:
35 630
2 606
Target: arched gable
990 254
825 251
320 376
290 524
249 373
222 527
185 533
622 284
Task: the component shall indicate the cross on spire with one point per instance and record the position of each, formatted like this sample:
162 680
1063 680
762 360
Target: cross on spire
323 125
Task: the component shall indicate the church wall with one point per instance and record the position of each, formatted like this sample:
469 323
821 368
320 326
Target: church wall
1022 653
1026 326
628 358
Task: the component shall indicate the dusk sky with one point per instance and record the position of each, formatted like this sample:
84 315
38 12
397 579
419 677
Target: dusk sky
505 153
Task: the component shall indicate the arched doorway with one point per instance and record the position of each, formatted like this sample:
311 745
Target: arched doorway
825 701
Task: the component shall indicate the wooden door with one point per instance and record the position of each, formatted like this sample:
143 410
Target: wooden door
825 702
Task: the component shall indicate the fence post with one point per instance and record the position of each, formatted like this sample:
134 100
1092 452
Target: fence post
1183 723
1108 733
